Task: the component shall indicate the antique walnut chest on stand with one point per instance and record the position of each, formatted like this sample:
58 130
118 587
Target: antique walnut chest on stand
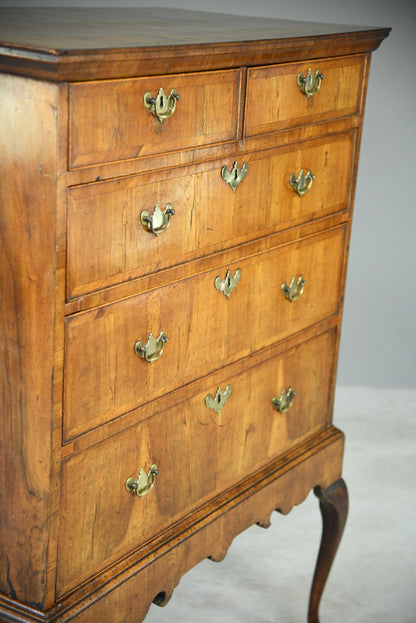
175 209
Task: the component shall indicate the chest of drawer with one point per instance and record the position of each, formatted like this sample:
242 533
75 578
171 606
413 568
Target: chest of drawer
175 212
208 325
188 441
109 120
276 99
108 243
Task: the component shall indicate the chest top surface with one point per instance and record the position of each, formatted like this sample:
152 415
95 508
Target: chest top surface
81 43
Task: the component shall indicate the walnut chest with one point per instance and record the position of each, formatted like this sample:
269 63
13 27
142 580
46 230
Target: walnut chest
175 209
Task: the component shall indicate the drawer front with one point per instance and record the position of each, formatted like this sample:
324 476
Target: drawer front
107 243
206 329
109 120
102 521
274 100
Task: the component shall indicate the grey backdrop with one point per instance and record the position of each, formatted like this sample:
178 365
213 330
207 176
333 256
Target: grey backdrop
378 338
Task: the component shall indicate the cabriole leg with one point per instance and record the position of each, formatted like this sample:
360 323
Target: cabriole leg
333 503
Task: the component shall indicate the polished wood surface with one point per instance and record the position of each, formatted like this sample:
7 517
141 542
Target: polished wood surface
157 570
98 28
68 44
273 101
187 442
82 281
202 330
109 121
107 243
333 503
27 343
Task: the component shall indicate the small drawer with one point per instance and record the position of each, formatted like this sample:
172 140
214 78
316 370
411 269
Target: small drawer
109 121
103 521
208 323
107 244
275 101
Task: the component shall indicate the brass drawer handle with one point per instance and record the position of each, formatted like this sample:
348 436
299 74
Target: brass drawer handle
294 290
227 285
218 401
162 106
144 483
285 401
153 348
309 84
157 222
234 177
302 183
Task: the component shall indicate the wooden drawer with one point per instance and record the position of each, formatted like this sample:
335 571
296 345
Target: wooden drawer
105 378
109 121
274 100
103 522
107 243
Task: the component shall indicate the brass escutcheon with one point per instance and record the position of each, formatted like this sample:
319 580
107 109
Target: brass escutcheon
234 177
162 106
157 222
218 401
153 348
285 401
144 483
309 84
294 290
227 285
302 183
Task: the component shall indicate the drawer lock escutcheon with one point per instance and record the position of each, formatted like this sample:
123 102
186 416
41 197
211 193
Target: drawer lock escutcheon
302 183
294 290
157 222
144 483
310 84
285 401
162 106
234 177
218 401
153 348
227 285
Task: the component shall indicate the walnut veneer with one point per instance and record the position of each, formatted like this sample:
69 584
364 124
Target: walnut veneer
225 414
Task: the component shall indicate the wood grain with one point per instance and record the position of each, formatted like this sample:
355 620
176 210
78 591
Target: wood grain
81 281
109 121
28 139
62 44
187 442
154 571
108 245
102 373
60 29
275 101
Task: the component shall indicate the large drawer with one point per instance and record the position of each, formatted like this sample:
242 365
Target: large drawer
206 329
107 243
108 119
199 452
274 100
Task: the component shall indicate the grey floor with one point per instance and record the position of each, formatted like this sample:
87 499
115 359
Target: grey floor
266 574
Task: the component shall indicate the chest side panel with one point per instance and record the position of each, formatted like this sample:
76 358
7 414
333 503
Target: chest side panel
28 143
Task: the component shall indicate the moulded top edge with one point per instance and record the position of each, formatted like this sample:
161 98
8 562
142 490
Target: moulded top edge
83 43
